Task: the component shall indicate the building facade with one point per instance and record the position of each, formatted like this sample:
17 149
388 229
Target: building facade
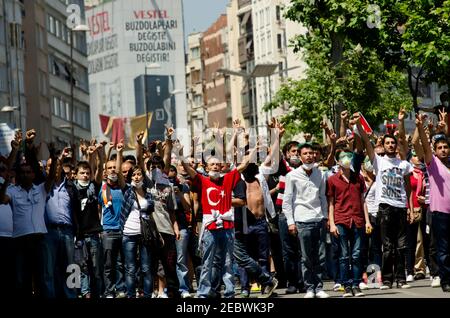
56 84
197 115
216 88
12 68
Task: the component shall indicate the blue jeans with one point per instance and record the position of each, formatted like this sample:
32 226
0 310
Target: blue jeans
312 242
251 267
113 272
216 242
441 229
131 246
291 254
58 254
91 266
186 246
350 239
227 272
333 250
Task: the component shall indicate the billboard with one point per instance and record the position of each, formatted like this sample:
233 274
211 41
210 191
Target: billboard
125 37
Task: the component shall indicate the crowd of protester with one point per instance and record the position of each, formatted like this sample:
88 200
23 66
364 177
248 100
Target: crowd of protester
363 210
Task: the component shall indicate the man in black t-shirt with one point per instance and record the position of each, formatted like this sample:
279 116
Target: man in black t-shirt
88 245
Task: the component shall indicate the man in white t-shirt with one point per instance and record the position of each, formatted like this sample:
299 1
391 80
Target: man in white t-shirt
392 194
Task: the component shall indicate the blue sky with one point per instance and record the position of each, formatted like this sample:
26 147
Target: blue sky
200 14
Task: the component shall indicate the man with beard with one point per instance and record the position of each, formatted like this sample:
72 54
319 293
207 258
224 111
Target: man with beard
438 168
110 199
217 229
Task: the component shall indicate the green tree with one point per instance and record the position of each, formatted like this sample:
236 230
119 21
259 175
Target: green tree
356 60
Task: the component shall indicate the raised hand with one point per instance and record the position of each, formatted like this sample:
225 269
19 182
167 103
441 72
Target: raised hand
30 135
139 137
442 124
177 148
91 150
66 152
51 149
169 132
401 114
120 146
420 118
344 115
280 127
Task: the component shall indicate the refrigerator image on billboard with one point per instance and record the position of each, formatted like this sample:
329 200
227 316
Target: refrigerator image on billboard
153 95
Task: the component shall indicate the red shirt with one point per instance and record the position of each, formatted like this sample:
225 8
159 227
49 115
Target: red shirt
347 199
217 195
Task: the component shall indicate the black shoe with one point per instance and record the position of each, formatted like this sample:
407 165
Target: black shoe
291 290
446 288
386 285
268 290
403 285
357 292
419 276
348 292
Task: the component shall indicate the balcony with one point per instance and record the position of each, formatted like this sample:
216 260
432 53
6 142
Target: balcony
244 3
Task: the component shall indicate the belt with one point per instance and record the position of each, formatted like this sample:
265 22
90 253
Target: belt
59 226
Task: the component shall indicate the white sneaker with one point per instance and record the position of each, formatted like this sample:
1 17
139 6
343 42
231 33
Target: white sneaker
121 295
436 282
410 278
363 286
163 295
337 287
186 294
322 294
309 294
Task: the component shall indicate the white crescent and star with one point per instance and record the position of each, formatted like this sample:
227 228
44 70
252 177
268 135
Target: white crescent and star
211 202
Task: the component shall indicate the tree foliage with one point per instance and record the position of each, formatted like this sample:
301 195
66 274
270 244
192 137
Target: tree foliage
364 56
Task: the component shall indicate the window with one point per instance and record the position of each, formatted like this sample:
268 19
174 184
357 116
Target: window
263 45
63 32
55 108
51 24
278 13
195 53
68 114
280 69
3 77
57 28
62 109
269 42
261 18
42 83
279 41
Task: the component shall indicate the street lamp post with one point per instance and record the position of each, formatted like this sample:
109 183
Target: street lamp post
153 66
11 109
260 70
78 28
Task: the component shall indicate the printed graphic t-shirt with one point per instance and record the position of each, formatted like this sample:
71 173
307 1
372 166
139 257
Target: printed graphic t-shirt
390 182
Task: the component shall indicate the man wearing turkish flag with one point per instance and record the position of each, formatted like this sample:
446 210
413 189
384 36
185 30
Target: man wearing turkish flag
217 235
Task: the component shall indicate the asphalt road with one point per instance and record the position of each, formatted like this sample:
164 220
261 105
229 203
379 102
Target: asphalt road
419 289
